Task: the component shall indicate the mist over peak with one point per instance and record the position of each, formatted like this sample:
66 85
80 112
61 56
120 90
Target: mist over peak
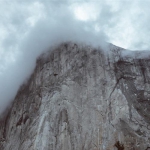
29 28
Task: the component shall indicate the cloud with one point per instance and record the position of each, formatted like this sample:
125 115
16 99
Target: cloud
27 28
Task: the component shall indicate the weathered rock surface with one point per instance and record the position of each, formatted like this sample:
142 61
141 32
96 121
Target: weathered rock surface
80 98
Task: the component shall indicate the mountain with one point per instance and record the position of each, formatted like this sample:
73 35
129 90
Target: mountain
82 98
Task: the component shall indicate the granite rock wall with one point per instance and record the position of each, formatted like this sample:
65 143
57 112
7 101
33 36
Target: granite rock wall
81 98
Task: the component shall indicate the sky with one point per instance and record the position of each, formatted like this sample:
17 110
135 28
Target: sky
30 27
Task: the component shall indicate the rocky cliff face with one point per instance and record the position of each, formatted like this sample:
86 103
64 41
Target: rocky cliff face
80 98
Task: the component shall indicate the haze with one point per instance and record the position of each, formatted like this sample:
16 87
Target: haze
30 27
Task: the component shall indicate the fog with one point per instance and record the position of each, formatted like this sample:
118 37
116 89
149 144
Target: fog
32 37
28 28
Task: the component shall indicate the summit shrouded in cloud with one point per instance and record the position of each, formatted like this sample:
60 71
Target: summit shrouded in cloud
29 27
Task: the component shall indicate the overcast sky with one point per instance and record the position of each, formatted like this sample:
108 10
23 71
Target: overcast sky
28 27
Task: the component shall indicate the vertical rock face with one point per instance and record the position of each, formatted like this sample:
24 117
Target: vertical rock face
80 98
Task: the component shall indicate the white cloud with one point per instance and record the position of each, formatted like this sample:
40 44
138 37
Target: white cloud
27 28
88 11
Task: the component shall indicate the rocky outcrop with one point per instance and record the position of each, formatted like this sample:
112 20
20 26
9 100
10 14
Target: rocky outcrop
82 98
